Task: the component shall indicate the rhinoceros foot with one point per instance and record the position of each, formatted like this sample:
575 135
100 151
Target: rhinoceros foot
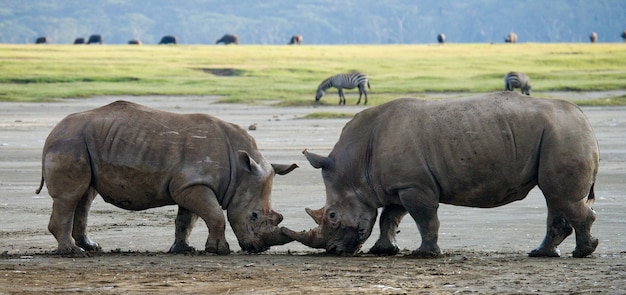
220 247
381 248
424 252
585 250
88 245
545 252
71 250
181 247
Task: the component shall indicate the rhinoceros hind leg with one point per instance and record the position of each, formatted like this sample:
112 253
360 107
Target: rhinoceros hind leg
557 230
585 243
389 221
185 220
79 231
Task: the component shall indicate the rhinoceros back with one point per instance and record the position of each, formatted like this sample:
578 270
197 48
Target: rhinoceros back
483 151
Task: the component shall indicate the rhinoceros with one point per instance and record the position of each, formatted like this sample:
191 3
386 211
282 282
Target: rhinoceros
410 155
137 158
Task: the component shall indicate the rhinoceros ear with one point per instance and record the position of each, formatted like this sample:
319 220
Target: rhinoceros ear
249 163
316 161
282 169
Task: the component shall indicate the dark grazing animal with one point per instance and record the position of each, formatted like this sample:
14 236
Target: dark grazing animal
295 40
409 155
41 40
79 41
511 38
134 42
623 35
514 80
137 158
441 38
228 39
95 39
348 81
593 37
169 39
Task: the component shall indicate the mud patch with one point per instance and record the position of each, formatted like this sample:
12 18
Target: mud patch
222 72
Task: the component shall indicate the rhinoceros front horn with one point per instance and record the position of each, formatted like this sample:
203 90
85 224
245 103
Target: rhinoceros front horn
276 238
311 238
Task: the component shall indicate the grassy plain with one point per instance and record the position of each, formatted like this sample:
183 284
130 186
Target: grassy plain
290 74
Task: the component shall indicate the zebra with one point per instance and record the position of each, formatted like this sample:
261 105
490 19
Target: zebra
348 81
514 80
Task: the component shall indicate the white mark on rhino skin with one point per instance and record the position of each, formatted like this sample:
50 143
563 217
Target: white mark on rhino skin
206 160
169 132
198 136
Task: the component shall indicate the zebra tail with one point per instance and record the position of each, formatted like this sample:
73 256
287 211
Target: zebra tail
368 85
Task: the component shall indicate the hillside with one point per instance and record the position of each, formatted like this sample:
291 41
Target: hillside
319 21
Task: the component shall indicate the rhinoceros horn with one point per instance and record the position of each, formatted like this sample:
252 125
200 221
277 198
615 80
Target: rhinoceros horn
317 215
311 238
276 238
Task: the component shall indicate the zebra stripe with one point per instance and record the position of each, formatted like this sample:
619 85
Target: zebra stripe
514 80
347 81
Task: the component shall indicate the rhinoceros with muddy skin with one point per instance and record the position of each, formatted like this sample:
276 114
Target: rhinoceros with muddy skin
410 155
137 158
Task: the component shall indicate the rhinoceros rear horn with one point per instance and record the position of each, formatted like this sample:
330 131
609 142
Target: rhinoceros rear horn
316 161
317 215
309 238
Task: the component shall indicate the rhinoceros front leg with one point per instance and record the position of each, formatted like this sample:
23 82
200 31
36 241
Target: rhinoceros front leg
422 205
389 220
185 221
202 201
79 231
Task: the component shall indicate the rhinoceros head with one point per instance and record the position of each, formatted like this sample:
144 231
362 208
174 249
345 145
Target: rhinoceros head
345 222
250 213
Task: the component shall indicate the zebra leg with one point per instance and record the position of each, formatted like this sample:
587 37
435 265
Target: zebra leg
342 98
361 90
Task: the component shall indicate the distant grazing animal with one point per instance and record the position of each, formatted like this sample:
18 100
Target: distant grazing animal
511 38
134 42
95 39
295 40
79 41
410 155
441 38
228 39
348 81
514 80
41 40
623 35
593 37
169 39
138 158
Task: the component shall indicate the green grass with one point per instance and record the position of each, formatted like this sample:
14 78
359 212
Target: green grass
290 74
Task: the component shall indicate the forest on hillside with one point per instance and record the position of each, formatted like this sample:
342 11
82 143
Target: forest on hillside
318 21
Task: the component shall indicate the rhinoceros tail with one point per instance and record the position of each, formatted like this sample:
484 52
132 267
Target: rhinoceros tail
40 185
591 197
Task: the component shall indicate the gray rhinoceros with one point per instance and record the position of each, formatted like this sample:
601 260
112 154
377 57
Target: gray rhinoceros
137 158
410 155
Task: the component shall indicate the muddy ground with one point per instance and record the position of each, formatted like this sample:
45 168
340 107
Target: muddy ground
485 249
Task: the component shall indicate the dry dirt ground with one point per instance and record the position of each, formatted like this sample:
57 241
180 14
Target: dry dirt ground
485 249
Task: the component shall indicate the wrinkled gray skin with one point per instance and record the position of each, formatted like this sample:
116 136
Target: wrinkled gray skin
410 155
138 158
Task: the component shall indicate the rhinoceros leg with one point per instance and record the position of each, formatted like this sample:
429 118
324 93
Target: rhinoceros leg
557 230
389 221
79 231
562 216
202 201
185 221
423 205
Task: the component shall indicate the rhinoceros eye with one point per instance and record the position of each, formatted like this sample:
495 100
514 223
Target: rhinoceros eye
254 216
332 215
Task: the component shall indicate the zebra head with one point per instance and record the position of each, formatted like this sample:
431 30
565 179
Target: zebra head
319 94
